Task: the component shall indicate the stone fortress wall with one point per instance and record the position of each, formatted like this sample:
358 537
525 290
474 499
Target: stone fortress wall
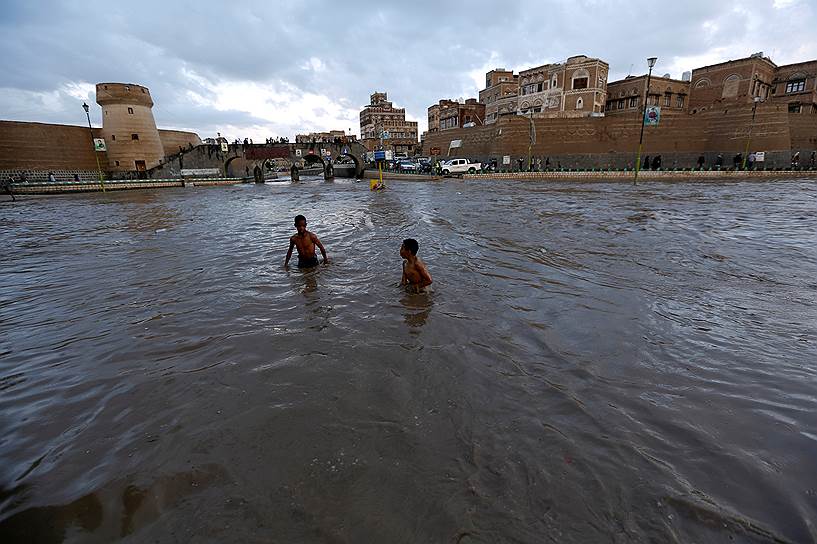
612 141
39 148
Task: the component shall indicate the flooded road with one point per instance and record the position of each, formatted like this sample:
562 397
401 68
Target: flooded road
594 363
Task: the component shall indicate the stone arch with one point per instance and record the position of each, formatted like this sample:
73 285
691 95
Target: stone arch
537 102
524 106
524 81
703 83
312 158
358 166
733 77
796 76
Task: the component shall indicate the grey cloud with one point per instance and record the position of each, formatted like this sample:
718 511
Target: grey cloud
418 52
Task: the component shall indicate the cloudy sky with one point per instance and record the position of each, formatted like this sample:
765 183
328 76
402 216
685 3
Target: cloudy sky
276 68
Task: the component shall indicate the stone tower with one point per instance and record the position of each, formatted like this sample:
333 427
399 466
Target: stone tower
128 127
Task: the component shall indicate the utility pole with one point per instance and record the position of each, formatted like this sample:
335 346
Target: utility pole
650 62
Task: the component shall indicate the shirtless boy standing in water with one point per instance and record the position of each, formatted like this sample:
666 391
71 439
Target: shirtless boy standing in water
305 241
415 272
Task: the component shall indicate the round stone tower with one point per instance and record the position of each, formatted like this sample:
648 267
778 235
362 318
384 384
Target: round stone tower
128 127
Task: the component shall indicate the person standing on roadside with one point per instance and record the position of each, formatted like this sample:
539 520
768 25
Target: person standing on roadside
6 186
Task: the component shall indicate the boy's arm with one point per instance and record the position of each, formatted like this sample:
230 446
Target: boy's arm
403 278
289 253
320 246
425 276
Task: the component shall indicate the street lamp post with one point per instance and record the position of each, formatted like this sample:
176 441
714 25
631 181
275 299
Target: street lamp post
757 100
93 146
531 136
650 62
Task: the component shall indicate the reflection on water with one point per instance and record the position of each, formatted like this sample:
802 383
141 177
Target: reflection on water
417 308
595 362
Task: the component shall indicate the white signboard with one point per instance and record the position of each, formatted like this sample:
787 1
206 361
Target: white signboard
200 172
454 144
389 155
224 148
506 159
760 156
299 153
99 144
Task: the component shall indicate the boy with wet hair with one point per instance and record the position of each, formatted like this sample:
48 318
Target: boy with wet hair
305 241
415 273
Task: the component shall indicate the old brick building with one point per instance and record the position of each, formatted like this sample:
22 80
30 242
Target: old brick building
450 114
575 88
721 110
380 116
627 95
329 136
501 91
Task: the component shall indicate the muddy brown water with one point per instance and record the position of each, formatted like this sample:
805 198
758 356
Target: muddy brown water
594 363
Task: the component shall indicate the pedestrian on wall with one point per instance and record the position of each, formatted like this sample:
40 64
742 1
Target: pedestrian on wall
656 162
521 162
813 158
750 161
719 161
6 187
738 160
795 160
76 177
646 164
51 178
547 163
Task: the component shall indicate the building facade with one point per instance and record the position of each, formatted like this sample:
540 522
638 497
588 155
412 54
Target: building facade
575 88
325 137
380 117
501 89
627 95
448 114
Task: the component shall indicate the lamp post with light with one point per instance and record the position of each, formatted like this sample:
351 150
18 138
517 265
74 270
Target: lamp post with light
93 146
757 100
650 62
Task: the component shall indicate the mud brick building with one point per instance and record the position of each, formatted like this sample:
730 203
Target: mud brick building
380 116
500 93
709 115
627 95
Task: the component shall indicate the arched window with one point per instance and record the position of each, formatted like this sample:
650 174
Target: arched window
703 84
580 104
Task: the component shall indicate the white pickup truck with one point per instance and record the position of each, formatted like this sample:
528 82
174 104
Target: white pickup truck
460 166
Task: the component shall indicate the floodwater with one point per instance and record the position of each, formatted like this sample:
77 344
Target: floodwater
594 363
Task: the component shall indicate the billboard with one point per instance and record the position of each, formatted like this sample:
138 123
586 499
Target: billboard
99 144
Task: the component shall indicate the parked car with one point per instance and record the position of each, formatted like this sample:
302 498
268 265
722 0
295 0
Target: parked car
425 166
460 166
409 166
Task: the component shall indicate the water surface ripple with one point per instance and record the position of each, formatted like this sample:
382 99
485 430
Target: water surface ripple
595 363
